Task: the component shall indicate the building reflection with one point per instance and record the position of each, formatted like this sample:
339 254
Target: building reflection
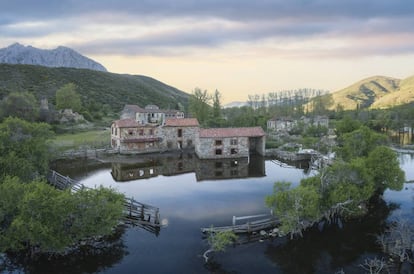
170 165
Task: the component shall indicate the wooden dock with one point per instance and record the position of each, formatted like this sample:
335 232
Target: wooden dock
136 214
248 227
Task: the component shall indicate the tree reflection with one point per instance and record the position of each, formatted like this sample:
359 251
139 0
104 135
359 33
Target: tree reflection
88 258
335 248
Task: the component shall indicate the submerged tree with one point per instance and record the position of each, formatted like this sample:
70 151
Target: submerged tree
218 242
341 190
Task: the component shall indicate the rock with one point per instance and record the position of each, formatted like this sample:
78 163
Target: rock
263 233
59 57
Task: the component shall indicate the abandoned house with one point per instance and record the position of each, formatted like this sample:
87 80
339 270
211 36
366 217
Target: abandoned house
128 136
286 124
179 133
218 143
154 130
150 114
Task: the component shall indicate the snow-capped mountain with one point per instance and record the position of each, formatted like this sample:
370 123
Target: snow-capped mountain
59 57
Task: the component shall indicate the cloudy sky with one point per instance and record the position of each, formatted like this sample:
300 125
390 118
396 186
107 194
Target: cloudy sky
236 46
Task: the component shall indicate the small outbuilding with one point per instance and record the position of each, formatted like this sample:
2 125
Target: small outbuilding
218 143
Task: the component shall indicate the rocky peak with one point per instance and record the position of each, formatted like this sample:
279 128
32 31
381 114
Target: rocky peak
59 57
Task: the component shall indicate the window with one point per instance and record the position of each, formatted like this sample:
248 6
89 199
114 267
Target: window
141 132
233 142
219 173
130 132
116 131
233 151
219 142
234 163
234 172
180 132
189 143
219 164
218 152
151 132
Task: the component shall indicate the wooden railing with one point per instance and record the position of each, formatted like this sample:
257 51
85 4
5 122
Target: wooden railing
135 213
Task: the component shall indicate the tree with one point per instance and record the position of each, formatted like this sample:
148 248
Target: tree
359 143
24 149
219 241
68 98
199 105
321 104
21 105
216 105
385 169
296 208
37 218
341 190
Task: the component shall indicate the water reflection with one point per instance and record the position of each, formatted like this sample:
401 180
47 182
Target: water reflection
94 258
334 248
172 165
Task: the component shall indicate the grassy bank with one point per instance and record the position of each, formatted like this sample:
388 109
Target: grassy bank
81 140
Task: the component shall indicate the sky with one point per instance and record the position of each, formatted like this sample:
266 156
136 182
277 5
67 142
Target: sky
238 47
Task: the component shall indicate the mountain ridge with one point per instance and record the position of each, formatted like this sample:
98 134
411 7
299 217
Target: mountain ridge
95 87
375 92
58 57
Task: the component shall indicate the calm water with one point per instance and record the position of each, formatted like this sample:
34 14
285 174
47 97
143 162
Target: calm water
193 194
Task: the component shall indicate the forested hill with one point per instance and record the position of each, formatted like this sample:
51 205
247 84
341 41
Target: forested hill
375 92
95 87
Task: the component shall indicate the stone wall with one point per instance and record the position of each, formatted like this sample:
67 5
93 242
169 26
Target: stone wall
210 148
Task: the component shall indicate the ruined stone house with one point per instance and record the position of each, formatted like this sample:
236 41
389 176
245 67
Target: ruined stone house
218 143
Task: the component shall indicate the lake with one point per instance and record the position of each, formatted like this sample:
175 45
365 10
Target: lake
192 194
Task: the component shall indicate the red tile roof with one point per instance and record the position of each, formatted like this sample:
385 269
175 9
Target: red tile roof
126 123
231 132
183 122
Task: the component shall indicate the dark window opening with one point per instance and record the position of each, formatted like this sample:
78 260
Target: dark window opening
189 143
234 163
219 142
233 151
219 164
180 132
233 142
218 152
219 174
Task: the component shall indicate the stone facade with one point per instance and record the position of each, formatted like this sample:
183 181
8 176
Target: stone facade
127 136
179 133
150 114
182 163
219 143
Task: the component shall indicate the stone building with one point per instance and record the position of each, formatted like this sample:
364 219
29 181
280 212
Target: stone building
150 114
218 143
281 124
179 133
128 136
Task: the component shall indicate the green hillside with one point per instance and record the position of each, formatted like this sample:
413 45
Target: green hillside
95 87
404 95
365 92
